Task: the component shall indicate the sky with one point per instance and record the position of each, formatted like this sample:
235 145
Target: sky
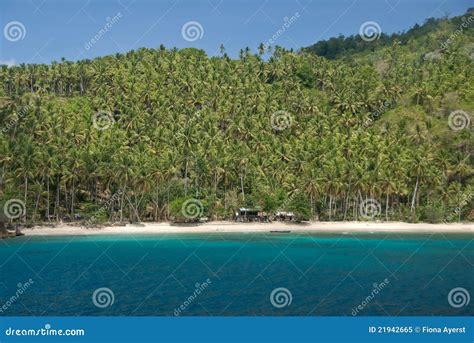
42 31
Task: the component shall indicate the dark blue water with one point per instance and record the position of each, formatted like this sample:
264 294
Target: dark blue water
230 274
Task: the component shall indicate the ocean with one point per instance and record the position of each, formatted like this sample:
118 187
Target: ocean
253 274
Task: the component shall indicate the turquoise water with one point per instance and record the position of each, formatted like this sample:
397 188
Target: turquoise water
230 274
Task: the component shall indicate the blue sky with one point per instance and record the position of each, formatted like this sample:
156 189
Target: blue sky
51 29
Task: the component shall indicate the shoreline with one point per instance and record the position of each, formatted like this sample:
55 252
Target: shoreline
234 227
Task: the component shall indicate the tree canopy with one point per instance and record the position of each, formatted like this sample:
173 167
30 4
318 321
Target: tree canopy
153 127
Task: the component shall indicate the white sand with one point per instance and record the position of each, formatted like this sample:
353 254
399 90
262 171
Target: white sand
341 227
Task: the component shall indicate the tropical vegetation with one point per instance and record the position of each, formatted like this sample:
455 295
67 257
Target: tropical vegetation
130 137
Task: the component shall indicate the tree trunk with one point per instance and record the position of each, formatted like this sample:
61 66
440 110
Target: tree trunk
242 186
346 206
73 195
414 195
58 193
186 177
121 202
330 207
47 198
25 198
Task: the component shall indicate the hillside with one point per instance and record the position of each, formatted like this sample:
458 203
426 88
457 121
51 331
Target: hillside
432 36
159 134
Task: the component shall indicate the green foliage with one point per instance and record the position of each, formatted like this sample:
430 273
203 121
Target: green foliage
434 212
426 37
159 126
176 210
300 207
184 210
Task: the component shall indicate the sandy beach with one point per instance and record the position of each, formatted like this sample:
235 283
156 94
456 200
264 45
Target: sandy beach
229 227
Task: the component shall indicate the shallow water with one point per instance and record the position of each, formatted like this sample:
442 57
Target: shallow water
156 274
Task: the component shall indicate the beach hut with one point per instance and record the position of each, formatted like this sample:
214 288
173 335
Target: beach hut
244 214
284 216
